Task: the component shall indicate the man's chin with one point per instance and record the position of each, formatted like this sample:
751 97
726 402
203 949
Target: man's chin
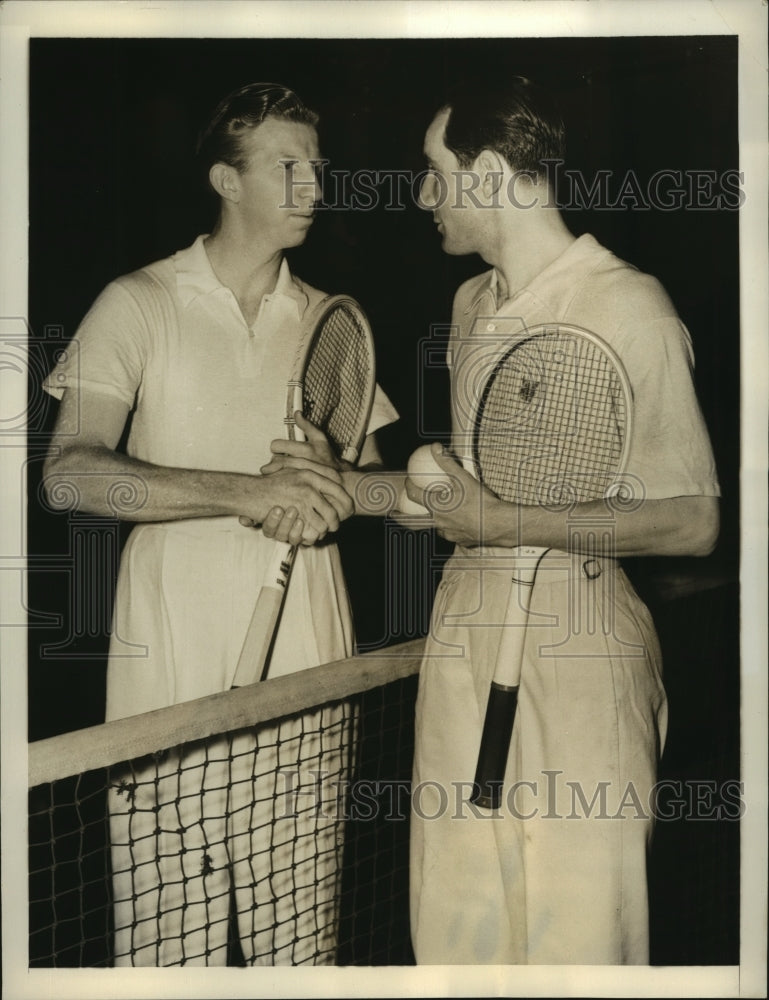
451 246
452 249
296 241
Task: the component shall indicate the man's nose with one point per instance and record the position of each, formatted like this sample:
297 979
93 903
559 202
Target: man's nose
430 193
427 192
305 184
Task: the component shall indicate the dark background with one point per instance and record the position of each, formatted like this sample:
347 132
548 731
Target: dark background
112 133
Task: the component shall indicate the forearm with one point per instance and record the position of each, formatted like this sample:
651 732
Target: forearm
677 526
374 490
97 480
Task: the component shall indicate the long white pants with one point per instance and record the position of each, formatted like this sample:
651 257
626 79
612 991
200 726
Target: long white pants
558 874
248 825
239 828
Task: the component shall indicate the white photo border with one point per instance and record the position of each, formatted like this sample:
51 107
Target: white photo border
747 19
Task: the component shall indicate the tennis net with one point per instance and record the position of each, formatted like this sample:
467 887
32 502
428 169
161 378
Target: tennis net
262 826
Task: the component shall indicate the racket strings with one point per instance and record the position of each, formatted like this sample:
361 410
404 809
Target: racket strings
339 377
552 422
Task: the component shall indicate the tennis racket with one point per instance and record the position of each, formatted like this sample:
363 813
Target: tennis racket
332 383
552 427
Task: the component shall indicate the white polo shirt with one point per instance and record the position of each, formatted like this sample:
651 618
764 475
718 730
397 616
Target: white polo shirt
209 391
589 287
206 392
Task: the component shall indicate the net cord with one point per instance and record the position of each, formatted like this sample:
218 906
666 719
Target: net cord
125 739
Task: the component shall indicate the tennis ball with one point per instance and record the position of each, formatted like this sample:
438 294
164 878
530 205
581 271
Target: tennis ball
423 463
426 474
407 506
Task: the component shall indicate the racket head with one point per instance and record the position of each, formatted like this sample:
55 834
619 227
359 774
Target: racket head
553 422
335 374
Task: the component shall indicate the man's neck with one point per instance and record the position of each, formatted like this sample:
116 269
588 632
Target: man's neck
523 255
249 270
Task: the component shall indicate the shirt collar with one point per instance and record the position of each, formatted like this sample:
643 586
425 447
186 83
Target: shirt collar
488 285
291 288
579 253
195 277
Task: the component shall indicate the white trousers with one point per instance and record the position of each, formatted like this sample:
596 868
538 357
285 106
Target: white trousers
248 825
558 874
248 830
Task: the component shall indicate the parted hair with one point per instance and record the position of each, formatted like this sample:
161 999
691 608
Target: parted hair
514 117
221 141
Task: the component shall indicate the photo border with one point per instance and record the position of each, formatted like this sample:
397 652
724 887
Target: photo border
19 21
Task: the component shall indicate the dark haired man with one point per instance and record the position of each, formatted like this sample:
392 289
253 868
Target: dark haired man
558 875
198 349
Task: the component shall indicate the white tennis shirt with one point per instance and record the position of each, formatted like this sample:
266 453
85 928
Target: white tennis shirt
207 392
589 287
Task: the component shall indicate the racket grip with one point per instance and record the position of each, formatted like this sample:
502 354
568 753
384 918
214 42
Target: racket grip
257 645
495 746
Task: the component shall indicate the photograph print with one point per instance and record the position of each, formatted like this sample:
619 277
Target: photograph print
383 503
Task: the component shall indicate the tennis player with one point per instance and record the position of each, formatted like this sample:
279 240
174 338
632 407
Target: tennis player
196 351
558 874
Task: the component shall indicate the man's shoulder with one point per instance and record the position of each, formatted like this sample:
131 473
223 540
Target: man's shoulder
149 291
149 278
624 286
146 295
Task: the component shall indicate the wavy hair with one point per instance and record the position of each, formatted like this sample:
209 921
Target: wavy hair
515 118
221 141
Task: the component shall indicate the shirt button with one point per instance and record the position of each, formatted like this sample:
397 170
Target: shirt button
491 327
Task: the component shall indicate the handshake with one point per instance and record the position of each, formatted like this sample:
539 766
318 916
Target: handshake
300 495
305 491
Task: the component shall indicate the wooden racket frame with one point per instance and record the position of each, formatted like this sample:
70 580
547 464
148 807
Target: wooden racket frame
254 660
502 703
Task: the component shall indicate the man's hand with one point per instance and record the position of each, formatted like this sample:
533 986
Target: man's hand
288 523
300 505
675 526
314 451
288 520
467 513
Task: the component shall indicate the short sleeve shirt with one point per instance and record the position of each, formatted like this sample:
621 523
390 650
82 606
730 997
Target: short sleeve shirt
588 286
206 390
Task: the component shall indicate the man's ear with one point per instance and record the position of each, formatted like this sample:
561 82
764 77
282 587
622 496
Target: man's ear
225 180
491 171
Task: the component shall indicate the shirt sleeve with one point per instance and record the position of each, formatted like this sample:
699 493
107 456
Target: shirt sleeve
670 451
107 353
382 412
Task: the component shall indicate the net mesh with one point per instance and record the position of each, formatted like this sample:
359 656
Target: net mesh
338 382
281 843
552 421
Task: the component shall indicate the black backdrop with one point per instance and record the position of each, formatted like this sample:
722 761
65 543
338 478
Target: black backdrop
112 129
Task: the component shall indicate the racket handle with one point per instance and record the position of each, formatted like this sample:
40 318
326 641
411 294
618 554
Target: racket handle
257 645
507 671
503 693
495 746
